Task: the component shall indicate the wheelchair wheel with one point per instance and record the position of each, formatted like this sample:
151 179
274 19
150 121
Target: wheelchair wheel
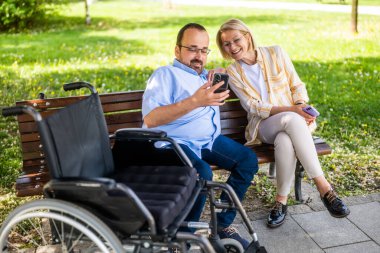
232 246
51 225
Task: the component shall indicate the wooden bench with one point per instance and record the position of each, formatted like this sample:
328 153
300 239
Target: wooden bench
123 110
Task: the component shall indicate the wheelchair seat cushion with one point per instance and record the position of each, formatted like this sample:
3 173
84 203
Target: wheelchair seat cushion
165 190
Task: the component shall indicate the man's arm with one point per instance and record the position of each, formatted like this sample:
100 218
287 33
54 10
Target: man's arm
204 96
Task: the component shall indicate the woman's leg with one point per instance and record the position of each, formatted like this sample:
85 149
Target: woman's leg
285 160
295 127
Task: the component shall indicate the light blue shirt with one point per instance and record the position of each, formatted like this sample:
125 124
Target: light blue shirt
170 84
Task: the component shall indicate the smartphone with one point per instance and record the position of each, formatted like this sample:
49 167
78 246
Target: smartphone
218 77
311 111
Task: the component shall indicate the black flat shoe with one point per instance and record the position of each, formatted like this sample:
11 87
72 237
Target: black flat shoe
335 205
277 215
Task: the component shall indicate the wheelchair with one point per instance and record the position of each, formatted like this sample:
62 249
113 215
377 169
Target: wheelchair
128 195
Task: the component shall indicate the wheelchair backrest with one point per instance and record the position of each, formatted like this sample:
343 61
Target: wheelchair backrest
146 147
76 141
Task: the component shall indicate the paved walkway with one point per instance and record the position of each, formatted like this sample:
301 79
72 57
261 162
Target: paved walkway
370 10
306 230
310 228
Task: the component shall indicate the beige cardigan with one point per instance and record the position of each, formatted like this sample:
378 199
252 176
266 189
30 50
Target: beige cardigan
283 84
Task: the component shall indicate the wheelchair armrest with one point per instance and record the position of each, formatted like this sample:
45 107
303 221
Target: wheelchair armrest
140 133
85 182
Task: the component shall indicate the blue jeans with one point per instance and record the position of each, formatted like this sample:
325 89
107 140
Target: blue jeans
232 156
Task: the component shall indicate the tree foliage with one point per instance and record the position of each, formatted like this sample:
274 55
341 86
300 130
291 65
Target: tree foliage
19 14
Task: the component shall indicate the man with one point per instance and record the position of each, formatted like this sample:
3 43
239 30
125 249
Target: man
179 100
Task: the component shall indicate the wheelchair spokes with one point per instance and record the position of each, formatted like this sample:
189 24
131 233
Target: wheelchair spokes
49 228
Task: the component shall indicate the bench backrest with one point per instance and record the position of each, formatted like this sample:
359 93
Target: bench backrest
122 110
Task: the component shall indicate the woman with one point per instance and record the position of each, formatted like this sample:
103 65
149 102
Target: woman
271 92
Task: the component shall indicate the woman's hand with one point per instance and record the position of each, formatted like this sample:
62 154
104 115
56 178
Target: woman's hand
298 109
210 74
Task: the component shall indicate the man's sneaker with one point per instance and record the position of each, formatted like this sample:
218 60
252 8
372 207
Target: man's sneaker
232 233
178 250
277 215
335 205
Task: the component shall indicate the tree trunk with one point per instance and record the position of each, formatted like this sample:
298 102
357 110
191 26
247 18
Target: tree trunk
168 4
354 16
87 6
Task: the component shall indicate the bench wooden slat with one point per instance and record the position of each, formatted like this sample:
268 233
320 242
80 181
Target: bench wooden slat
60 102
123 118
113 128
117 97
30 147
233 114
43 104
30 137
114 107
323 149
233 123
40 161
33 156
35 169
233 105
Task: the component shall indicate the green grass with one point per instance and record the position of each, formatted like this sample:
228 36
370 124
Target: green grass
127 40
344 2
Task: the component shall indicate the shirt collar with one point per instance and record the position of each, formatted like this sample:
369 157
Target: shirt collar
259 57
182 66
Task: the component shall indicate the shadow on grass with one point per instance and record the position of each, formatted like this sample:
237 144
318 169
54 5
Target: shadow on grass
66 45
105 79
68 38
171 20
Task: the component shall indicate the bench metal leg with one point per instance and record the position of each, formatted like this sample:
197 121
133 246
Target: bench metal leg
299 173
272 170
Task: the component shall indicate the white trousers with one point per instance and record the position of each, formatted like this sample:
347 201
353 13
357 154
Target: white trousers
292 138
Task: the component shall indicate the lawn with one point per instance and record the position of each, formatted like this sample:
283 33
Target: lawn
342 2
127 40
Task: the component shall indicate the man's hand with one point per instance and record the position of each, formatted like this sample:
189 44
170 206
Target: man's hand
206 96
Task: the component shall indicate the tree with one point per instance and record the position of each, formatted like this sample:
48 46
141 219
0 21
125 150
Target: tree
87 6
168 4
354 16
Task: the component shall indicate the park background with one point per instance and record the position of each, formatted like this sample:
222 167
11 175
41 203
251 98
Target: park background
127 40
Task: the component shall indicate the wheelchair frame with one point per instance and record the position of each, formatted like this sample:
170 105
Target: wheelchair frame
103 237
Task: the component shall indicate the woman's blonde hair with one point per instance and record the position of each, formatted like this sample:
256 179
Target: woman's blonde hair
233 24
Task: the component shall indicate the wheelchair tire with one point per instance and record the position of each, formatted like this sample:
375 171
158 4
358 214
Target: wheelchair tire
232 246
56 225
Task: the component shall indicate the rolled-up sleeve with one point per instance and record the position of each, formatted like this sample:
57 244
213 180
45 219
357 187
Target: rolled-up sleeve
158 92
251 104
297 87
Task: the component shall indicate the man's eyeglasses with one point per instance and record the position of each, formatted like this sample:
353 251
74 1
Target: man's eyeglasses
195 50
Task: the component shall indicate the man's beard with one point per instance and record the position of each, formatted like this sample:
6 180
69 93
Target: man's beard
197 65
